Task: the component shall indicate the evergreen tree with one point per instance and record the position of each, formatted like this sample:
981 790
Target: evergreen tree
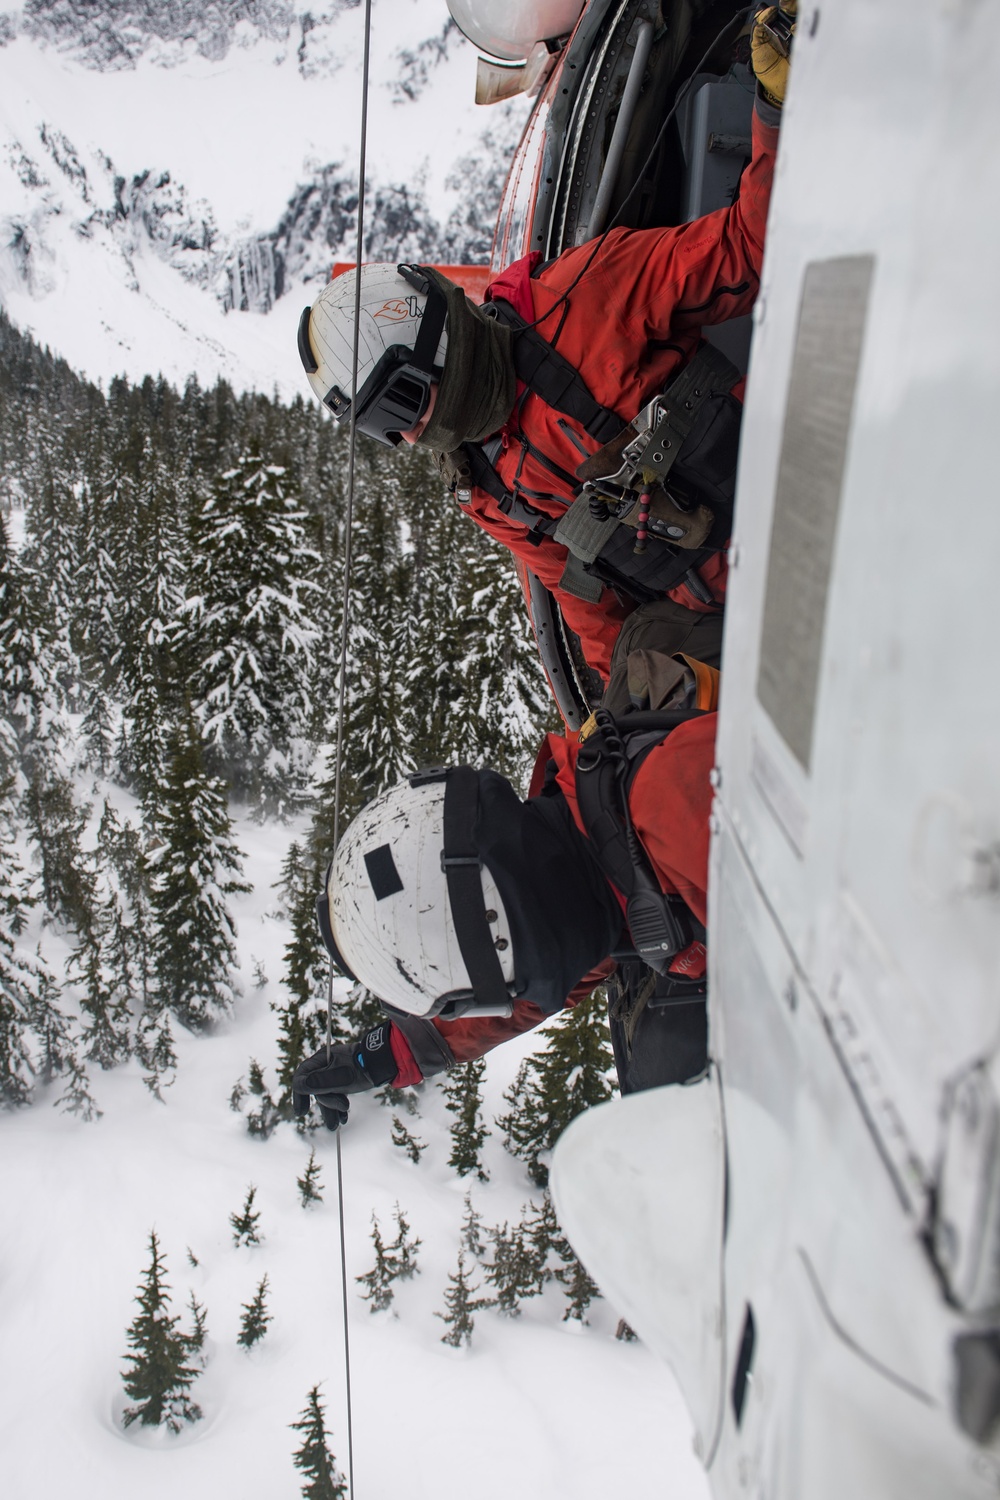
403 1249
261 1120
580 1289
553 1086
199 1326
76 1098
245 1223
250 630
300 1024
253 1324
463 1098
160 1377
314 1458
56 822
514 1272
402 1138
194 865
461 1303
472 1236
378 1281
309 1183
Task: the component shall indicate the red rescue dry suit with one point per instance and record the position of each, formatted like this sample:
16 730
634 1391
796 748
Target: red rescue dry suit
669 800
632 323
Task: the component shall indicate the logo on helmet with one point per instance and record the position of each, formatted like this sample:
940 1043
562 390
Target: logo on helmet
397 309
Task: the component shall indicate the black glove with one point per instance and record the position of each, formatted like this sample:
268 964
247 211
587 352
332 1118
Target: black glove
351 1068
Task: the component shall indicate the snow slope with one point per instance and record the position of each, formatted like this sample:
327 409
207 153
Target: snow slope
536 1407
127 279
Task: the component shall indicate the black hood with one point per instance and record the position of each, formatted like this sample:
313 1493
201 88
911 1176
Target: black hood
564 918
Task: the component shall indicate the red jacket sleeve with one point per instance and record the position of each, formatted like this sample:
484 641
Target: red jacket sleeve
671 800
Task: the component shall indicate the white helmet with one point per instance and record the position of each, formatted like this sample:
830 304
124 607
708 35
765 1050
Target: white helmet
409 908
401 347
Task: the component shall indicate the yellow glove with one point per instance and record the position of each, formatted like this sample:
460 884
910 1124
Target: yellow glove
770 49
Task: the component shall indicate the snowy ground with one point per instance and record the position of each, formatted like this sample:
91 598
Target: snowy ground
535 1407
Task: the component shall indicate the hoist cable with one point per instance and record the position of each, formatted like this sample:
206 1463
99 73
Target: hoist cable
345 622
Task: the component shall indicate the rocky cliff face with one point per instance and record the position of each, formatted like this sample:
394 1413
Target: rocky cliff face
81 193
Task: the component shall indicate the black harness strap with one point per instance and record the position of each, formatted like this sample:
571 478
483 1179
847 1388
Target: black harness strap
661 926
549 375
462 866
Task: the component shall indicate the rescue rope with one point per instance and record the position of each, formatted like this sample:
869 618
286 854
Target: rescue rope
342 683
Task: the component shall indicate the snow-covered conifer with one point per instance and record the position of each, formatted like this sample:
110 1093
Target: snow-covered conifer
199 1326
253 1324
377 1283
161 1374
402 1138
461 1302
300 1023
194 865
313 1458
403 1250
56 821
580 1288
245 1223
514 1272
251 630
309 1183
472 1234
262 1119
76 1098
463 1097
553 1086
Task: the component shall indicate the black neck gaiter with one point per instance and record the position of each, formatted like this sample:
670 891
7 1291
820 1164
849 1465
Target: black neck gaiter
563 916
477 390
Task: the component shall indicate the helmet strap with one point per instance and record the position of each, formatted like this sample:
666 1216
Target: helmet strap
462 865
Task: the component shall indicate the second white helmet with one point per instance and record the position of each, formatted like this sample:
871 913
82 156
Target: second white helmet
401 347
409 908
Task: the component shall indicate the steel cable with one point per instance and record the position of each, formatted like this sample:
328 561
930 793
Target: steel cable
342 682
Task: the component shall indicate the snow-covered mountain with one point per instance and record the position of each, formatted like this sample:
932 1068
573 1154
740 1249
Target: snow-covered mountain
174 177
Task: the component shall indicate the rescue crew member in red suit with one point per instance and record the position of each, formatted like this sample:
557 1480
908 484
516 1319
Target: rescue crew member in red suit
560 915
627 317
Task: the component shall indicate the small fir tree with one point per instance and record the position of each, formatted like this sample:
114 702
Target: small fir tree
76 1098
194 867
515 1272
245 1223
402 1138
199 1326
313 1458
262 1119
309 1183
192 1259
300 1022
472 1234
461 1303
378 1281
161 1376
463 1097
403 1249
253 1324
554 1086
580 1289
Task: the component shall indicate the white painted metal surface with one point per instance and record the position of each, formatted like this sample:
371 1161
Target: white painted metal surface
855 887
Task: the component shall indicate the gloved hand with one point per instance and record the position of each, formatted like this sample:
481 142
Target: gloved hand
352 1067
770 49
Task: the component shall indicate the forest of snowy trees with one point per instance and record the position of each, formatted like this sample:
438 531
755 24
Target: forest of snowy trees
171 580
171 624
